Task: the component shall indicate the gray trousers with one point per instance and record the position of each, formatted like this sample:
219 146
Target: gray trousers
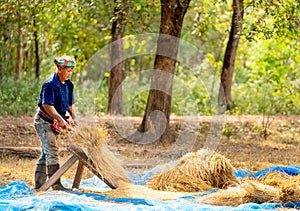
49 153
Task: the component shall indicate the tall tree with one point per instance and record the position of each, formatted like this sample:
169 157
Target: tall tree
230 53
158 109
36 43
115 92
20 42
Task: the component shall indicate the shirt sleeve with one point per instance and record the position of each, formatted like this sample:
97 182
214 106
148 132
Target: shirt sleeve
71 94
49 94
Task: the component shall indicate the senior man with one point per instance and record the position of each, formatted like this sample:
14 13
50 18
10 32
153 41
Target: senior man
56 99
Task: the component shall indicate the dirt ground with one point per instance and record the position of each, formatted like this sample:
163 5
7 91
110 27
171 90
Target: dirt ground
253 142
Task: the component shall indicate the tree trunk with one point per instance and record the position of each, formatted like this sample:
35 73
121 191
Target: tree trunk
115 93
230 54
37 58
158 108
20 44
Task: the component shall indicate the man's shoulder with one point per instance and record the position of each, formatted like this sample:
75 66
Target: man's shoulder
52 80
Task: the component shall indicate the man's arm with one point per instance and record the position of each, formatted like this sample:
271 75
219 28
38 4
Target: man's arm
55 115
72 112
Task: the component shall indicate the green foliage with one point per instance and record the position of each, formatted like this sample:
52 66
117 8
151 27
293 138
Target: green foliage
266 78
227 130
194 97
18 96
266 19
268 81
145 15
91 97
136 104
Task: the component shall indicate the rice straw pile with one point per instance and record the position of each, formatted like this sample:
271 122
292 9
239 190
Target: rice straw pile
129 190
228 197
274 178
198 171
92 140
290 190
276 187
259 193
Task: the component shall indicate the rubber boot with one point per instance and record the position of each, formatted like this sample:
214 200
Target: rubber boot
40 176
51 170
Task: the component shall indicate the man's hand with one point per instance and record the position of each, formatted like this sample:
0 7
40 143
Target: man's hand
53 113
73 122
72 112
63 124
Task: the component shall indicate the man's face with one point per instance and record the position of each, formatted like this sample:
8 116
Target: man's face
64 73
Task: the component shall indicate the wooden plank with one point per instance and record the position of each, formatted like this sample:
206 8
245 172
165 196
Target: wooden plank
79 153
27 152
78 175
67 165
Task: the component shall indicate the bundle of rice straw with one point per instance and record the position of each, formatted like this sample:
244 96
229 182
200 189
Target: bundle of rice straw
274 178
257 192
247 192
290 190
288 186
286 209
92 140
221 171
285 190
197 171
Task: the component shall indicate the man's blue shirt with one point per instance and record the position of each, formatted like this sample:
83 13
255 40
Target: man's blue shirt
57 94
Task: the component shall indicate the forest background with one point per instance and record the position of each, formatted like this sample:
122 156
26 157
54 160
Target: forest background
266 78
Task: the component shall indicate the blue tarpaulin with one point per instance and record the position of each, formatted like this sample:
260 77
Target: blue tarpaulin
289 170
18 196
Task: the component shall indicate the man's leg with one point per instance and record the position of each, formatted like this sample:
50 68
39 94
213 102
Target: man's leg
50 152
51 170
40 175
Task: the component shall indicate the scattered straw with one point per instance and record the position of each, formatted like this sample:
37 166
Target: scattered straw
128 190
229 197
